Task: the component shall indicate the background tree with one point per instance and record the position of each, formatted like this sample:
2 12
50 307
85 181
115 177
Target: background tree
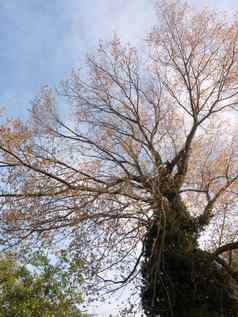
146 163
41 292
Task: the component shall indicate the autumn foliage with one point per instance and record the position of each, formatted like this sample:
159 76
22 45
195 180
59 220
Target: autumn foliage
141 174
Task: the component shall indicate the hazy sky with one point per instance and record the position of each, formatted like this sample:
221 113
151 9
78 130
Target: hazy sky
41 41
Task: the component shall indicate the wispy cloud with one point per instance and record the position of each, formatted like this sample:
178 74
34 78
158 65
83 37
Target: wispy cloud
42 41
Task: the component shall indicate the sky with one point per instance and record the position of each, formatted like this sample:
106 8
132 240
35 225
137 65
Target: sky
42 41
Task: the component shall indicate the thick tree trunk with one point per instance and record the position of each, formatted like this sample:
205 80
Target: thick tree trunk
179 279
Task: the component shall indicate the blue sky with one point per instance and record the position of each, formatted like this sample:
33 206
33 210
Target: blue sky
41 41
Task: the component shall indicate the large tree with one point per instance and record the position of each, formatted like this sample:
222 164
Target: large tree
144 169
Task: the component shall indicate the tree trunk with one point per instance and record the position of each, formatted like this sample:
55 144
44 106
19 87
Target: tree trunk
180 279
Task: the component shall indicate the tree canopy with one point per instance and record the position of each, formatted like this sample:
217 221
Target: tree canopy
141 168
39 293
